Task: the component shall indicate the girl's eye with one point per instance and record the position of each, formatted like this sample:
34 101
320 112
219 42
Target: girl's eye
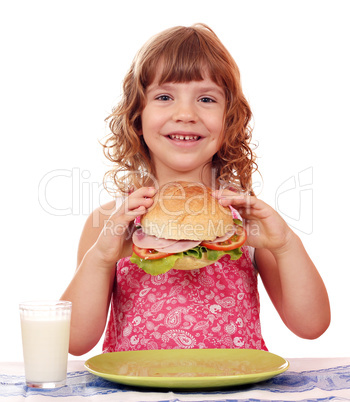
163 97
206 99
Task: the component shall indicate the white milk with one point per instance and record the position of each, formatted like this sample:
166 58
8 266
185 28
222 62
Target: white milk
45 338
45 349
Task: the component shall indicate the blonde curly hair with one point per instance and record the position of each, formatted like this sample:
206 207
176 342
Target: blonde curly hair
184 52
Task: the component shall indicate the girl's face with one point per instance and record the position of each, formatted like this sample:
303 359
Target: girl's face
182 125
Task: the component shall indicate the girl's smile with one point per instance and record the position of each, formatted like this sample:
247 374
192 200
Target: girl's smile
184 139
182 124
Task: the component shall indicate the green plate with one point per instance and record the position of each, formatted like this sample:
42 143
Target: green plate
187 368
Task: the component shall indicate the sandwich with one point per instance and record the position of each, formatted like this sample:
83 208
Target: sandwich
186 228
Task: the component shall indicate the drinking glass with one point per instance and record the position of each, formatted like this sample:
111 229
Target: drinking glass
45 337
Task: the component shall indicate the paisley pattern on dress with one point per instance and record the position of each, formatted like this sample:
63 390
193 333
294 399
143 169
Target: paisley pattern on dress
212 307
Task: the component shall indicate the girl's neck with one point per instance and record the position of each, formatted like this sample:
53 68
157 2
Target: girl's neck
206 176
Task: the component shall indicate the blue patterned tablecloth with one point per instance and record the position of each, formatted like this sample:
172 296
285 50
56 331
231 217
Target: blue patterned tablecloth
306 380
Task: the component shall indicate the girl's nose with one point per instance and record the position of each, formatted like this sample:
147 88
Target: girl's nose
185 112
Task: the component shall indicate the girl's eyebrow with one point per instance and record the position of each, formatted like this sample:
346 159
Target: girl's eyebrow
155 86
213 89
168 86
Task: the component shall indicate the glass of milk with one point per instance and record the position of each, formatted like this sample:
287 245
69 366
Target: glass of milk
45 338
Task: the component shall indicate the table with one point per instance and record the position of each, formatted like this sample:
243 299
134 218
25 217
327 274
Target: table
306 380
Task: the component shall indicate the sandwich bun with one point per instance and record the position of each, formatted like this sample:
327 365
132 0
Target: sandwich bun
186 211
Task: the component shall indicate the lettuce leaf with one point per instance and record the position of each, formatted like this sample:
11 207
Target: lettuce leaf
156 266
214 255
162 265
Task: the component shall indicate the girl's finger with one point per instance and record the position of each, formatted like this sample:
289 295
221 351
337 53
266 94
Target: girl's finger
131 204
137 211
141 197
143 192
229 198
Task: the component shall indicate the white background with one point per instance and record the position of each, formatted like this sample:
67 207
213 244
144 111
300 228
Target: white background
61 71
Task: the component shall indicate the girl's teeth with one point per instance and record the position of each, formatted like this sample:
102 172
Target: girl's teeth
183 137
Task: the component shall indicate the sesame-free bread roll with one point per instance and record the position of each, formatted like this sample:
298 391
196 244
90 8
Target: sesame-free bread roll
186 211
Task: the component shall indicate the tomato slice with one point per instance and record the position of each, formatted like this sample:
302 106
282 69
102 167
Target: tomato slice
149 254
237 240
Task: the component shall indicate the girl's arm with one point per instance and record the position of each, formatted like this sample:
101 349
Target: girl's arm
104 240
289 276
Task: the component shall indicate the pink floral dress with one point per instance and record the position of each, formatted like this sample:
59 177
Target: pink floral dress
212 307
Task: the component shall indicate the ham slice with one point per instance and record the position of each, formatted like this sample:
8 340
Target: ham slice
179 246
225 237
143 240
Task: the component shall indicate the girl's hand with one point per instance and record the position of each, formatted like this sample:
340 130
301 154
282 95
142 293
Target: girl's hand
287 272
119 227
265 227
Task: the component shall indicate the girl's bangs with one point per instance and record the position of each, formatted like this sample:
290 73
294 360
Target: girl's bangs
182 67
182 62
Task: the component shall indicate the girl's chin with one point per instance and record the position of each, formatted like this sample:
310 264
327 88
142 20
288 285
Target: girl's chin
185 167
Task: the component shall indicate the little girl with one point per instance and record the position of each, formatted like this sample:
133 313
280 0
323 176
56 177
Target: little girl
183 116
